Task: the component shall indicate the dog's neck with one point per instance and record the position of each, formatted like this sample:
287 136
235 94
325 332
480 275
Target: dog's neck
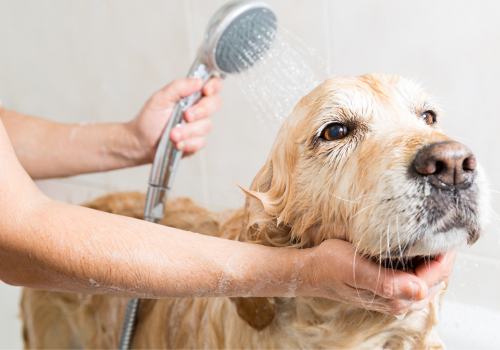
304 316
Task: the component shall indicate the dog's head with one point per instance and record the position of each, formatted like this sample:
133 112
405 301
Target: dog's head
364 159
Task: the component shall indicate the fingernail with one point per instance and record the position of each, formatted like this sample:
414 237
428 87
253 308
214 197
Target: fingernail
414 291
180 145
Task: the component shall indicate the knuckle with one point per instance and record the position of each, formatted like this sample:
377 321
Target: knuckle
208 125
157 96
188 146
388 288
203 141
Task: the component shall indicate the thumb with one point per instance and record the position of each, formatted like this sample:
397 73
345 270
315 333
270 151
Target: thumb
174 91
386 282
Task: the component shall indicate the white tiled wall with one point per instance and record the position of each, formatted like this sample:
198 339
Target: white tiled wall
99 60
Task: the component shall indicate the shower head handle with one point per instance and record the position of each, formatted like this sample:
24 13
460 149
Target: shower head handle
167 157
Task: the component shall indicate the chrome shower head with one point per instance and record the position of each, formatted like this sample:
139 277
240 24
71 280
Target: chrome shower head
238 35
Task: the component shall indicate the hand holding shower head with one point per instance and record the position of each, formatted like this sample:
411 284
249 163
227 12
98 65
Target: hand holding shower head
237 36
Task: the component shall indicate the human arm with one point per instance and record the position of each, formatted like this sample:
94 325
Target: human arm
49 149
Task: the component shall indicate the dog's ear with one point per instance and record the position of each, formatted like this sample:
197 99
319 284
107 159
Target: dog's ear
269 206
259 313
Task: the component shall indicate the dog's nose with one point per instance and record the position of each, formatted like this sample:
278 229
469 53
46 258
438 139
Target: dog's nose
447 164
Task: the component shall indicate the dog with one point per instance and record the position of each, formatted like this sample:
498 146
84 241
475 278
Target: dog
361 159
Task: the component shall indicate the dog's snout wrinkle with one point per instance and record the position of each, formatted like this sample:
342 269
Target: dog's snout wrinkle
448 165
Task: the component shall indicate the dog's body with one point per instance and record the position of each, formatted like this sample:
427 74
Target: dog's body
351 162
66 320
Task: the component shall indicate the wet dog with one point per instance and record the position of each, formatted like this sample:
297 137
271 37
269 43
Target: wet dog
361 159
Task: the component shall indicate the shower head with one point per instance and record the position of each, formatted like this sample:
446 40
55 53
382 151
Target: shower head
238 35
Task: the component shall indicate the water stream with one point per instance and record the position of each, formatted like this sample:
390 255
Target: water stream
284 69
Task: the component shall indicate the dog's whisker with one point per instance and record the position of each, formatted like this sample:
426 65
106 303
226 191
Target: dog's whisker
388 246
379 268
354 271
367 207
399 244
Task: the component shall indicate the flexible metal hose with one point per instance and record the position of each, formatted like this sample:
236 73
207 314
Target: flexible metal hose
162 173
129 323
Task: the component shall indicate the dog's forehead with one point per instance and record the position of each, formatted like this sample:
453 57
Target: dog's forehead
373 95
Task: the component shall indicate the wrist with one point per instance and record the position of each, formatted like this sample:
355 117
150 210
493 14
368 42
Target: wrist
130 147
291 269
305 269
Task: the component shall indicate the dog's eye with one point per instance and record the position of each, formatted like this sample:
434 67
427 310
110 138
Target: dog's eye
429 117
334 131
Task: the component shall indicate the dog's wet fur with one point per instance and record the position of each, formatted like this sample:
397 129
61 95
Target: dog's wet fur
358 183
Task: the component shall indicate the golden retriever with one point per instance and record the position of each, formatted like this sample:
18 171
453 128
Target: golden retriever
360 159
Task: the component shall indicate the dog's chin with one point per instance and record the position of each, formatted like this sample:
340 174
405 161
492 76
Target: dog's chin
425 250
440 242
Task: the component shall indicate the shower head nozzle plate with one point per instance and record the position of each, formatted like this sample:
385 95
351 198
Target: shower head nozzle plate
239 35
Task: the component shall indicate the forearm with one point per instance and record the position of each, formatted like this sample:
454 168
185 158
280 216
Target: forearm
56 246
60 247
49 149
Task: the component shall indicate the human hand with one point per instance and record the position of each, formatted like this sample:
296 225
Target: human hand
333 271
434 274
147 128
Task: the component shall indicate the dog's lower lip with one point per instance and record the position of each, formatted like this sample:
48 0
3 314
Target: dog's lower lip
410 262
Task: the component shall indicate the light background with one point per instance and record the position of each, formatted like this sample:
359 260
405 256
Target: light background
99 60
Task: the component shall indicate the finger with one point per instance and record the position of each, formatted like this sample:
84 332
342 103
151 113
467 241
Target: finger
420 305
203 109
212 87
191 145
399 307
437 270
388 283
190 130
174 91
